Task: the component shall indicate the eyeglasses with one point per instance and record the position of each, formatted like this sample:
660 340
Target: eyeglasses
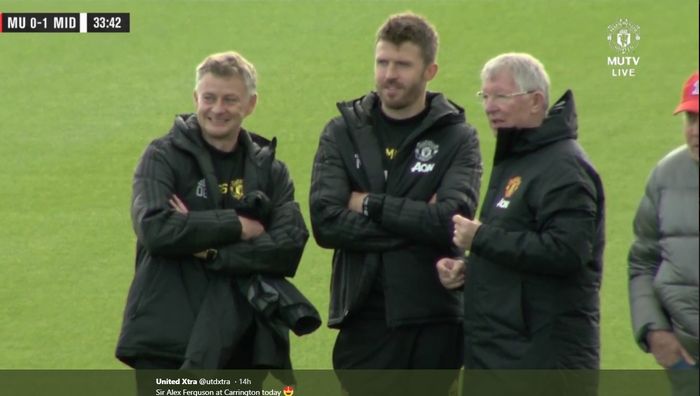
500 98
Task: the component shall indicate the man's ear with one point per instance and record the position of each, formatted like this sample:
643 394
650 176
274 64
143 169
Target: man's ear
539 104
430 71
251 105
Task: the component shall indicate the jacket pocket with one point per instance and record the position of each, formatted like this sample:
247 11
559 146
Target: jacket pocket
501 299
351 280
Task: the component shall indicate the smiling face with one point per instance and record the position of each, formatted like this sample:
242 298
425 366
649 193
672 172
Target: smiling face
401 77
507 106
221 105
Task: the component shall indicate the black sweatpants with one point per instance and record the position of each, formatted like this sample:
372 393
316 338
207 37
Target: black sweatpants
386 357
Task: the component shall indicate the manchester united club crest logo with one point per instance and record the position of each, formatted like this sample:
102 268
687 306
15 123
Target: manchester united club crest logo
426 150
623 36
512 186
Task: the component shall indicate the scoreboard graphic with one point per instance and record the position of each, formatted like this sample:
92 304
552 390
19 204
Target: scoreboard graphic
78 22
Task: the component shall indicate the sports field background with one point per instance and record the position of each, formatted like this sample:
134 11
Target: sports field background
77 110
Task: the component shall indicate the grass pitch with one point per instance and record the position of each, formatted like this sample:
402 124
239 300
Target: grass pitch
77 110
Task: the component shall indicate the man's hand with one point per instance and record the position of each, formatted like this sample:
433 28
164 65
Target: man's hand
355 202
465 230
250 228
201 255
178 205
433 199
451 272
666 349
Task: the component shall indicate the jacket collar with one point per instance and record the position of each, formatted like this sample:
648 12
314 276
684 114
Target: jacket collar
187 135
358 112
358 118
559 124
259 153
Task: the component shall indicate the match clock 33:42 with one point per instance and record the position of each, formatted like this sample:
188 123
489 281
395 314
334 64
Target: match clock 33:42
108 22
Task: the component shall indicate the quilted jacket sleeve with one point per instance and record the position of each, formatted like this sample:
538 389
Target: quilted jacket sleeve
562 240
278 251
644 260
334 225
458 192
162 230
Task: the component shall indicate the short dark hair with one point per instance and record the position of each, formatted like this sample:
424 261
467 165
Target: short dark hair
407 26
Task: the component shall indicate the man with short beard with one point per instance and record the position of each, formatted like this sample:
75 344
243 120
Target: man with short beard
389 173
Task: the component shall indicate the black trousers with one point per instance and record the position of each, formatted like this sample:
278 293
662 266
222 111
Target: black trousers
241 359
373 359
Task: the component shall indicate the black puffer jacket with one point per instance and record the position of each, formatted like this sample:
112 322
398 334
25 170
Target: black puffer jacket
534 271
172 289
403 232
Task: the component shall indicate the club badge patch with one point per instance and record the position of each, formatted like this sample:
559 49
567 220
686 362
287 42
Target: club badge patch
426 150
511 187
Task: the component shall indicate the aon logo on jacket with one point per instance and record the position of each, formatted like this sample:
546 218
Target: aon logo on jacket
420 167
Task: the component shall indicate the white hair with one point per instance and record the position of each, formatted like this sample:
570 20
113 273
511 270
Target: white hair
528 72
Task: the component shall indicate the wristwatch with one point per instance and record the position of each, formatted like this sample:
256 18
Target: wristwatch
211 254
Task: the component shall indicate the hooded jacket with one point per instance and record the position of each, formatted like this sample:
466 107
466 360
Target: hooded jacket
403 235
174 296
534 270
663 259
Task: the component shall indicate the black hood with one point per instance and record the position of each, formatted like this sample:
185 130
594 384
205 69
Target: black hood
358 112
187 135
559 124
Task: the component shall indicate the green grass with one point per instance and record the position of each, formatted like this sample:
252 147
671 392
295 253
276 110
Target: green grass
76 111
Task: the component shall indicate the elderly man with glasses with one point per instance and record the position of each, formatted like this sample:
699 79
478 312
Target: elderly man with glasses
533 273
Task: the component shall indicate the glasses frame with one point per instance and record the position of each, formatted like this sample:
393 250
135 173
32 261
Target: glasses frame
502 97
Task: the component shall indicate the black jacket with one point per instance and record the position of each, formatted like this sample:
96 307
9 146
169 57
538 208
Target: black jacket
173 293
403 232
534 270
